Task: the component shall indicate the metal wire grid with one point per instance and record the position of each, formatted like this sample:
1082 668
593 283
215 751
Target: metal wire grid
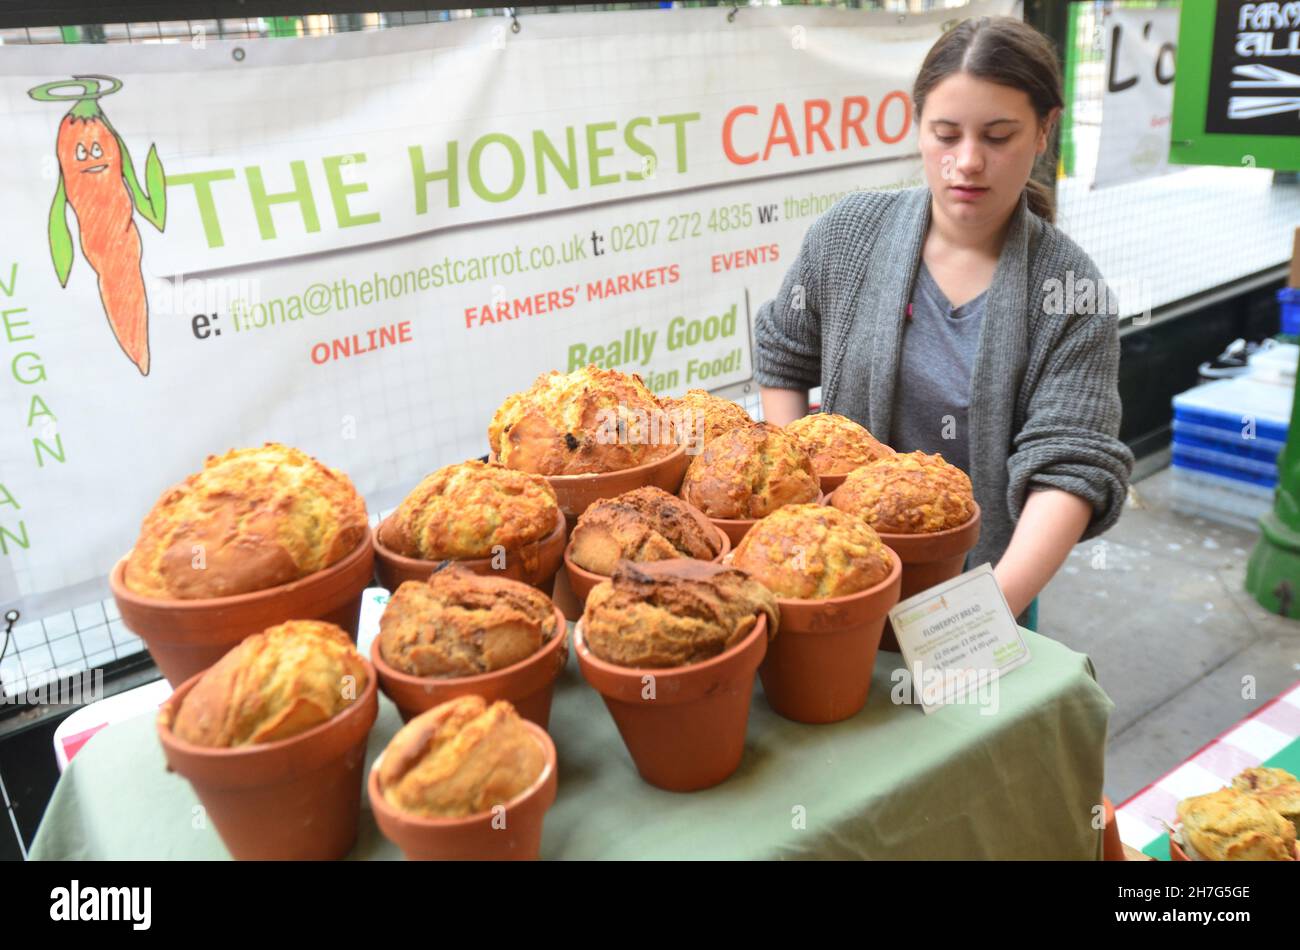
245 28
64 644
1170 238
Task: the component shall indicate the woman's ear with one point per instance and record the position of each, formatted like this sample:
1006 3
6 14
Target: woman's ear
1045 129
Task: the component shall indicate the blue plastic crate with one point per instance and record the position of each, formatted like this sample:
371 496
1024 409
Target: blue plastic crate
1225 466
1225 440
1232 406
1288 299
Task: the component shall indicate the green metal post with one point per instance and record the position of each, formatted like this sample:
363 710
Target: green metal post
1273 572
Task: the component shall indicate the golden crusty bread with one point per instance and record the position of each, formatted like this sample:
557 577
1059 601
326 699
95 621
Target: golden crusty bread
465 510
1259 778
1230 825
836 444
275 684
459 623
461 758
908 493
645 524
749 473
700 417
586 422
673 613
251 519
811 552
1283 799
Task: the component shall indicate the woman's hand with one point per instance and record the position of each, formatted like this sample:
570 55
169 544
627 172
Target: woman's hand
783 406
1050 524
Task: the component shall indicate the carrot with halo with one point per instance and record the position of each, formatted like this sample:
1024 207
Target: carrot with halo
97 180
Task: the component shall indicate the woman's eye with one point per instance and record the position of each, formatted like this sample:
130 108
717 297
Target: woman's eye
998 141
96 151
81 152
947 139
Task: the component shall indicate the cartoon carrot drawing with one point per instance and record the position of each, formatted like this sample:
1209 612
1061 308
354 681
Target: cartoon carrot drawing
97 180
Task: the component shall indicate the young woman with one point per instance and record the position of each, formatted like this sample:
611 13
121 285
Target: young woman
956 318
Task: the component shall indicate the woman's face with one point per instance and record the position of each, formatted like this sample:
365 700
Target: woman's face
978 140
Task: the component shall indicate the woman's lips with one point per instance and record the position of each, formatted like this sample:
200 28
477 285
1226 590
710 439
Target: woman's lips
967 192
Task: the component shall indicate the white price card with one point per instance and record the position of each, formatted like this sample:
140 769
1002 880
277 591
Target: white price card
958 638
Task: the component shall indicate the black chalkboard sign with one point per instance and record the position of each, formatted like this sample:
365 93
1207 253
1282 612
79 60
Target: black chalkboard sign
1255 70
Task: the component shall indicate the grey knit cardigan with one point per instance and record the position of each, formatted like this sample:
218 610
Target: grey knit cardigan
1044 409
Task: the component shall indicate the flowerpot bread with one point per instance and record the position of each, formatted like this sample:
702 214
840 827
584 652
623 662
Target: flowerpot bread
1232 825
459 623
908 493
250 520
460 758
645 524
1283 799
700 417
812 552
273 685
470 510
673 613
1258 778
836 444
590 421
748 473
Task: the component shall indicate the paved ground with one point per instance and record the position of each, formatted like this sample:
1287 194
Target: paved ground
1157 603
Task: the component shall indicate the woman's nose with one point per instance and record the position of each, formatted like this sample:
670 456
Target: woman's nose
969 159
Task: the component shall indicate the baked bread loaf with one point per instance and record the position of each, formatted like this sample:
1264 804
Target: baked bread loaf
811 552
1230 825
251 519
645 524
749 473
836 444
585 422
1283 799
275 684
1259 778
700 417
673 613
466 510
461 758
459 623
908 493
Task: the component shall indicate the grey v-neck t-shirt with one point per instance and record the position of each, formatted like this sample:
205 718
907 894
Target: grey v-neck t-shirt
932 399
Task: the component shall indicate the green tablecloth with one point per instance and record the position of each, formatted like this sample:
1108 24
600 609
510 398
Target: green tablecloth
889 783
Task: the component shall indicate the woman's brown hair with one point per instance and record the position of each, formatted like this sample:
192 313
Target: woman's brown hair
1009 52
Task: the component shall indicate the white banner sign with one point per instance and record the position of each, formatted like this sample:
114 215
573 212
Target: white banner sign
1137 100
361 244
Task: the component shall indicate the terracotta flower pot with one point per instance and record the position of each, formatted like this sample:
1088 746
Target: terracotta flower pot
1112 848
512 834
185 637
295 799
581 580
818 668
829 483
737 528
528 684
534 564
577 492
929 559
690 733
1178 854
